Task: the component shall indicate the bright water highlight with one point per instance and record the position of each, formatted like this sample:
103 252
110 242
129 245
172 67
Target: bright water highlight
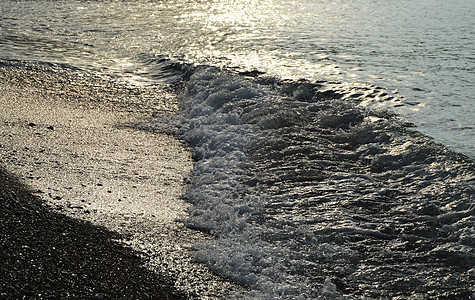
415 57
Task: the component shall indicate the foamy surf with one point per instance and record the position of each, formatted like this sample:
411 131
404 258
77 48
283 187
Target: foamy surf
311 196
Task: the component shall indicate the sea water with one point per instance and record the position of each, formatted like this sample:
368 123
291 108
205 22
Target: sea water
415 57
300 116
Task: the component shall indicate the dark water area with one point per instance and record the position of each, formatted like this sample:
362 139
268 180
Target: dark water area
300 117
312 196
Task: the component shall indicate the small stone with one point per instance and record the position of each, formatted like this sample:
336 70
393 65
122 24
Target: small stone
50 127
31 124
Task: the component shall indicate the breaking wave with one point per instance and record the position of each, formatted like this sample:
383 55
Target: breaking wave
313 196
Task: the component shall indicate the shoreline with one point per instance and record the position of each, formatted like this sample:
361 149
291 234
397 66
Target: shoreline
64 136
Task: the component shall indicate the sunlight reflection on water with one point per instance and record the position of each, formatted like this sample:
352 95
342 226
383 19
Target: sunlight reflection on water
423 49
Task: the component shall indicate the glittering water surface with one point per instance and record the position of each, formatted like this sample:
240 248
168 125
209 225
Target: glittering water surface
312 189
419 52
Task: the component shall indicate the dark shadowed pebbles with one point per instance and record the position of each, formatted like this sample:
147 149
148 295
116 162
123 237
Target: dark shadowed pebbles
45 254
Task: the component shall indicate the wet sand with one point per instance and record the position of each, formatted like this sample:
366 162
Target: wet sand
94 195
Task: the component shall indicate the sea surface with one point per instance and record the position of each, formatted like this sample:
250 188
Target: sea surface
333 140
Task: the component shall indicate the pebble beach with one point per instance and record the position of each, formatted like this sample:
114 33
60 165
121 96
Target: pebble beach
91 205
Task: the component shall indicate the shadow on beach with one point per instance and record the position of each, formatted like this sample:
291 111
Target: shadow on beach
44 254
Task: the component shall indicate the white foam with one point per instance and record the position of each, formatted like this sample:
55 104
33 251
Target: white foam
215 104
263 238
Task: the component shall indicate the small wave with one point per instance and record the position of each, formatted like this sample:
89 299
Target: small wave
312 196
